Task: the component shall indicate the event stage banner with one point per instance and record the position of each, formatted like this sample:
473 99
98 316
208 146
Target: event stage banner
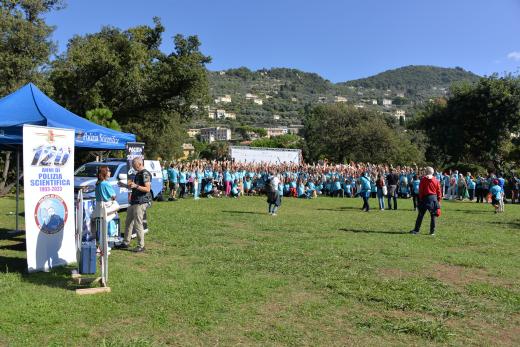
48 166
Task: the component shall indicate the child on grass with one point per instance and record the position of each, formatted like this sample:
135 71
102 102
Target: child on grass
496 196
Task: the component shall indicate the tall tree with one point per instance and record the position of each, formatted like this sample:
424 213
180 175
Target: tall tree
25 44
342 133
25 48
149 92
477 125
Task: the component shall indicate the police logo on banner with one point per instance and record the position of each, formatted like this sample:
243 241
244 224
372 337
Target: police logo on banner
49 195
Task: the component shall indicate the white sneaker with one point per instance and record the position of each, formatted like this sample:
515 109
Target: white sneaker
273 214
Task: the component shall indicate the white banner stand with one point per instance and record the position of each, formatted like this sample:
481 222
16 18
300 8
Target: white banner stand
48 162
79 225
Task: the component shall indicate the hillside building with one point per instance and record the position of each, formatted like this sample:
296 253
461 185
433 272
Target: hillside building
215 134
272 132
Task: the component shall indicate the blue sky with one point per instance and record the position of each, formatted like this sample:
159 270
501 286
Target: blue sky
338 39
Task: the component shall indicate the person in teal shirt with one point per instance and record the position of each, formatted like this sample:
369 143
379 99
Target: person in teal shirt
105 193
301 190
365 191
235 191
182 181
415 191
496 195
173 182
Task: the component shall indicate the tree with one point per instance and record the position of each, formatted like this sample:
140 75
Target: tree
476 124
103 117
25 44
218 150
282 141
25 48
343 133
148 91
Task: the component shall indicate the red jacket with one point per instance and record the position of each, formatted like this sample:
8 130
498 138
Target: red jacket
429 186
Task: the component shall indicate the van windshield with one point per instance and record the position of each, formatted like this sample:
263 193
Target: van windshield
90 170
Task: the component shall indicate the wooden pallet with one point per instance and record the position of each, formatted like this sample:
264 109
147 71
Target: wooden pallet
97 290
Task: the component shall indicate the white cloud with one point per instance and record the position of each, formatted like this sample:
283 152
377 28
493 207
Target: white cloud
514 56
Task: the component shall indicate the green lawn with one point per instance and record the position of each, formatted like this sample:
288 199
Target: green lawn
223 272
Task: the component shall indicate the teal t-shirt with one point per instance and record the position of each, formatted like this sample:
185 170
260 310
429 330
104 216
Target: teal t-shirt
104 191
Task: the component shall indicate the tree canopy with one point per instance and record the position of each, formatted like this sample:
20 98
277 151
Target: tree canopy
479 124
148 91
25 43
343 133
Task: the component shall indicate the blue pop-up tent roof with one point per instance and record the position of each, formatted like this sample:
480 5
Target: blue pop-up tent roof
29 105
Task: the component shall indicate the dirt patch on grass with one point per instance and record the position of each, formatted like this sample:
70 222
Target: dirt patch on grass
477 331
284 302
509 336
460 276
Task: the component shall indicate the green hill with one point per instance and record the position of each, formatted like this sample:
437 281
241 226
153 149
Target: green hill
415 78
285 92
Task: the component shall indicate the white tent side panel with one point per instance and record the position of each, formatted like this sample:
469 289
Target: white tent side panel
265 155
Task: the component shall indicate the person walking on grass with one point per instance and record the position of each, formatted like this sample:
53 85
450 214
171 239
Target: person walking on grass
273 195
462 187
381 190
497 195
365 191
392 179
173 182
430 195
415 191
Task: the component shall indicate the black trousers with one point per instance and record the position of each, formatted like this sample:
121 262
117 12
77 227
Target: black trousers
480 194
390 202
419 220
428 204
183 190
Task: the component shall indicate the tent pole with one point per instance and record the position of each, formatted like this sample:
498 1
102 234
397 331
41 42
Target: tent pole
17 186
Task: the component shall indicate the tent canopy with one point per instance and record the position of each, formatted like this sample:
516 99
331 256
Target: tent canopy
29 105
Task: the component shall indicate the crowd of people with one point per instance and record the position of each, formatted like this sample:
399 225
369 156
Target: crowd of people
202 178
211 179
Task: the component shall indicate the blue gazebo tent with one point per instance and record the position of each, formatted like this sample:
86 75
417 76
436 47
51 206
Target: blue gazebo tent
29 105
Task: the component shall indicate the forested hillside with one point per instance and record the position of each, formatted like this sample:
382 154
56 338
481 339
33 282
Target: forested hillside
277 96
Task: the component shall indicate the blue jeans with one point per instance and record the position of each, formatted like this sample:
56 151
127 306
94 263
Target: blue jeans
381 198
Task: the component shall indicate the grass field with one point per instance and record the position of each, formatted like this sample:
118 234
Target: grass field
223 272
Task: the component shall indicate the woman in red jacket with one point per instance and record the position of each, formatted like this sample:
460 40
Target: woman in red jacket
430 196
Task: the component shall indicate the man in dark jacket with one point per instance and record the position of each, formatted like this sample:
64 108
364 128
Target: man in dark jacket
392 180
430 196
139 199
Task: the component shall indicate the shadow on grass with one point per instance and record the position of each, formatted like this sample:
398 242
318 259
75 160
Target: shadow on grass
10 234
374 231
243 212
470 211
343 208
56 278
20 247
514 225
13 264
